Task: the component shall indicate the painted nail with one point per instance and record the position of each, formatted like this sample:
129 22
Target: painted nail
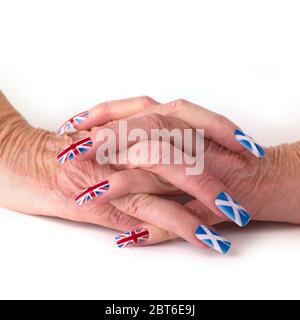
70 125
232 209
78 148
132 238
212 239
249 143
92 192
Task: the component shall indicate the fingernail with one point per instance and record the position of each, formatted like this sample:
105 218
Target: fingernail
70 125
249 143
232 209
132 238
212 239
92 192
78 148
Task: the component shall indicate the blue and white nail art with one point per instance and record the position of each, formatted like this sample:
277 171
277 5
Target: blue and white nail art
232 209
212 239
249 143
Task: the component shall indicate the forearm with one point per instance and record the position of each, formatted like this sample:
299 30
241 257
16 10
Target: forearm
11 126
7 112
25 156
20 143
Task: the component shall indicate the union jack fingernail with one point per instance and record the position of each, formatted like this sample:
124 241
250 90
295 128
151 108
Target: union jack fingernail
232 209
70 125
132 238
249 143
212 239
78 148
92 192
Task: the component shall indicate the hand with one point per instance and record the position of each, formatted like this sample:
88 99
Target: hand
33 182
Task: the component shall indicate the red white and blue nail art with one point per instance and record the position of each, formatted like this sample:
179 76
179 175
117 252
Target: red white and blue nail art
70 125
232 209
132 238
212 239
78 148
92 192
249 143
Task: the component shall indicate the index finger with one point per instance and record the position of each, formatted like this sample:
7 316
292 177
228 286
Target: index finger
217 127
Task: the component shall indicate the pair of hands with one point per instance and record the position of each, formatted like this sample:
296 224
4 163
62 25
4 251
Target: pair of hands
134 200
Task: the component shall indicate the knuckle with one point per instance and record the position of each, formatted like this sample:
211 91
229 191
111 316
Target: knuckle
105 108
123 178
118 218
176 106
219 120
179 103
165 235
146 101
138 204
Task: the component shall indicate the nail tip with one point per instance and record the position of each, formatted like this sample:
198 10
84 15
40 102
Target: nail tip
249 143
226 250
262 154
232 209
212 239
71 124
237 131
132 238
90 193
74 150
246 222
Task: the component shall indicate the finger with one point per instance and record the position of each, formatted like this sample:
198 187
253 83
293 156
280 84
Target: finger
143 234
113 218
200 210
122 183
217 127
203 186
104 113
143 203
166 128
173 217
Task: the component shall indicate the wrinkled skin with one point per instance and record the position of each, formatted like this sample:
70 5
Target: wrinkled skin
33 182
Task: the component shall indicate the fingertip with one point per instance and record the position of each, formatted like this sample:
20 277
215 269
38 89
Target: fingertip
75 150
232 209
248 143
132 238
212 239
73 124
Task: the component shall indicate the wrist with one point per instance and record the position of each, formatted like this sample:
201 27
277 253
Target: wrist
11 123
278 180
27 167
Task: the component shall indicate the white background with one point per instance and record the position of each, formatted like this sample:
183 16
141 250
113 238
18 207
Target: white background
240 58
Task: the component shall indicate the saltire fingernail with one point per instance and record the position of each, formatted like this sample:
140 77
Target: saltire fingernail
70 125
78 148
212 239
249 143
132 238
92 192
232 209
